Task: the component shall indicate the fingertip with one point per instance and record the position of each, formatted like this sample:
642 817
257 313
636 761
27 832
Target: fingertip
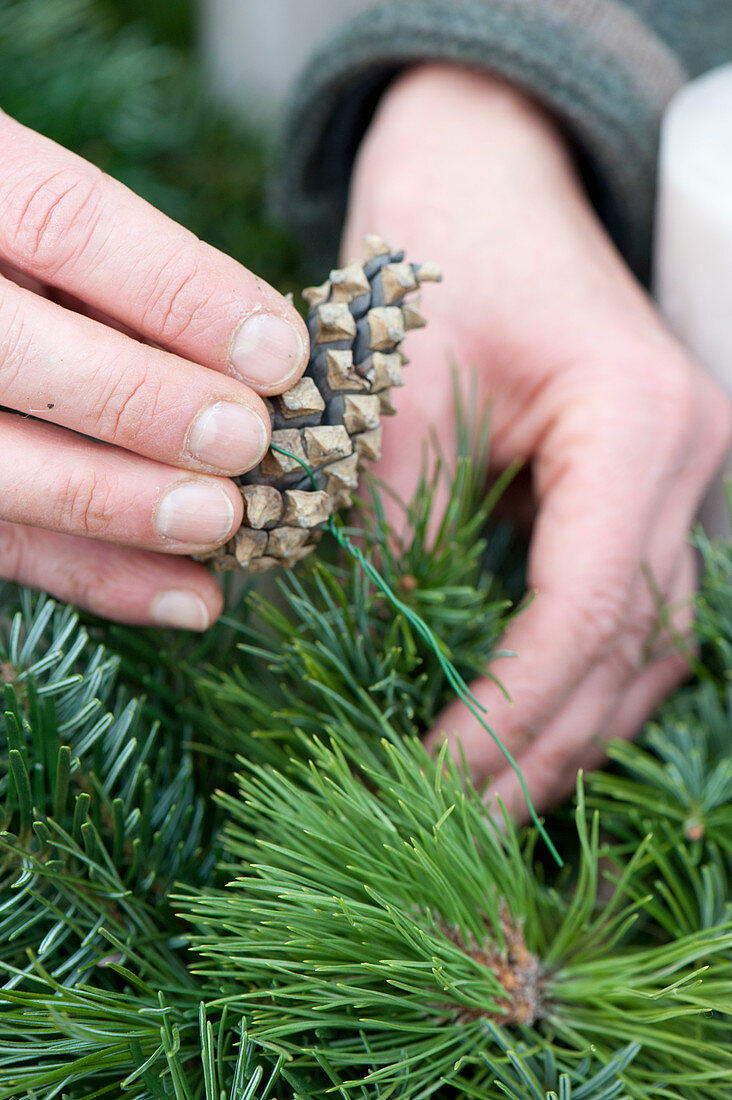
181 608
195 515
181 594
137 587
233 492
506 801
434 740
229 437
269 351
238 504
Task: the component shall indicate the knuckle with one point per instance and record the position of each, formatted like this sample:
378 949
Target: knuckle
86 504
602 613
16 339
691 414
87 578
675 400
678 666
650 634
718 427
551 762
177 300
14 550
53 219
627 656
678 398
128 401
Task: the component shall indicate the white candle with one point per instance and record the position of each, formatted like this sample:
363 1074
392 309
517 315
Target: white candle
693 252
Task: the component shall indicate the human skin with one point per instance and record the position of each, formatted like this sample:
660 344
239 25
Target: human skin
119 324
621 431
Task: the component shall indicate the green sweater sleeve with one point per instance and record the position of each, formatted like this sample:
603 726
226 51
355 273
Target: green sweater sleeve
604 68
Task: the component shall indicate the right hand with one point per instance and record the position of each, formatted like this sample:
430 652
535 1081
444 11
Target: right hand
621 430
88 271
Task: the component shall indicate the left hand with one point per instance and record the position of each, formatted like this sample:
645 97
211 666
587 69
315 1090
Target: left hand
621 429
135 355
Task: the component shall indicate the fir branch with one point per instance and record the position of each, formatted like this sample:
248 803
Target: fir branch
522 1072
94 1043
679 774
379 901
98 813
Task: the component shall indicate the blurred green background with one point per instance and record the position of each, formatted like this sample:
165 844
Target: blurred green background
118 81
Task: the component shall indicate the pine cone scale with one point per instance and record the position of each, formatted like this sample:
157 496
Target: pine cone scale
330 420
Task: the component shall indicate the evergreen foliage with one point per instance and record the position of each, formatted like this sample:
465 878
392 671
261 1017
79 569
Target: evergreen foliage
378 934
677 780
523 1075
343 917
356 662
383 911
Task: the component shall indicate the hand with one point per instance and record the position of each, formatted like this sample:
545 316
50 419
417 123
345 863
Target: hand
621 431
87 269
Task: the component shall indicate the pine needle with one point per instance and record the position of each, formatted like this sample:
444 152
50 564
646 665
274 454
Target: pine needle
454 678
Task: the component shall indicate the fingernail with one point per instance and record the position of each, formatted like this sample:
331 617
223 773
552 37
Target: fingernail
180 608
229 436
195 512
267 350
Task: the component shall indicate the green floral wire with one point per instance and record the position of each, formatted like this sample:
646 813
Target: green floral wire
454 678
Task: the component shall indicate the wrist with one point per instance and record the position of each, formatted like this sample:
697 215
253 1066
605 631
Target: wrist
446 95
461 166
448 144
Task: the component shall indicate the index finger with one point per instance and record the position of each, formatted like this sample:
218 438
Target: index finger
66 223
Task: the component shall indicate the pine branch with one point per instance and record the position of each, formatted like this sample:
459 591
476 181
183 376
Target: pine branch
329 647
380 903
676 781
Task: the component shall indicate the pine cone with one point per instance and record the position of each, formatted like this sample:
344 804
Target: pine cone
330 417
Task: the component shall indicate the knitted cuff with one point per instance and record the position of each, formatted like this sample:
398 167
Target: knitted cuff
593 64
